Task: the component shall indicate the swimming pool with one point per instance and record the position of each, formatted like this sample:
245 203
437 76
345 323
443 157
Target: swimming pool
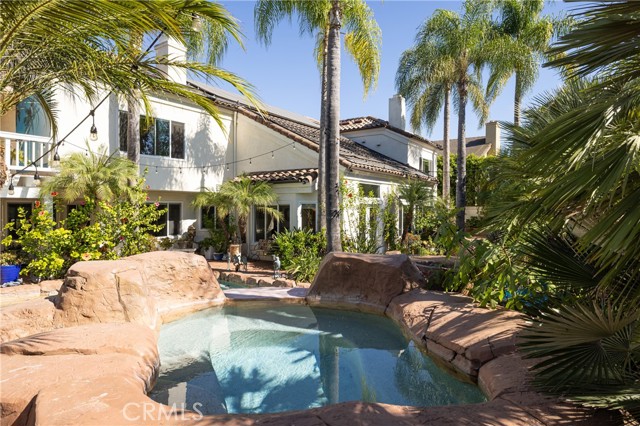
272 358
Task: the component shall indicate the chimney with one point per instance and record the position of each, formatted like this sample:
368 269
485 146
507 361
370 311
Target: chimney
173 50
493 136
397 112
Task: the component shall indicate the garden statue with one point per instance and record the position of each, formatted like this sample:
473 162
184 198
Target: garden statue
276 266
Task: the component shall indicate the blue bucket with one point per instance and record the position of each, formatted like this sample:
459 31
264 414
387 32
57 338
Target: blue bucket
10 273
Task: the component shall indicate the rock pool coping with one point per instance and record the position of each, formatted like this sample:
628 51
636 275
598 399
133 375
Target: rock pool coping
82 375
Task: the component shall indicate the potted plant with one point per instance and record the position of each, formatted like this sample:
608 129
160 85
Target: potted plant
10 265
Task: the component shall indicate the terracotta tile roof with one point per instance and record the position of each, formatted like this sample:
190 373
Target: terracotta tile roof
285 176
364 123
305 130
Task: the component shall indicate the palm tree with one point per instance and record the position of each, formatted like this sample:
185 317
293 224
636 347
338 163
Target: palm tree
362 42
94 175
240 196
37 53
463 42
527 39
577 152
205 28
415 193
426 80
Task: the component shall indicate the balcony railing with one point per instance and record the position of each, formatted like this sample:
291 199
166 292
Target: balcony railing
23 151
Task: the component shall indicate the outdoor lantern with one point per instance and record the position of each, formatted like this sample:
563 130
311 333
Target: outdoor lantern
93 132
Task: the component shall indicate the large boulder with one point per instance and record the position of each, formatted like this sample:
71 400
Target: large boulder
367 282
26 318
91 354
146 289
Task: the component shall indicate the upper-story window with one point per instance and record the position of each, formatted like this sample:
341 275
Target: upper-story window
159 137
426 166
370 190
31 119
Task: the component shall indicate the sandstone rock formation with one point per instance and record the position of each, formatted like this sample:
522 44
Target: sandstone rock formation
136 288
363 281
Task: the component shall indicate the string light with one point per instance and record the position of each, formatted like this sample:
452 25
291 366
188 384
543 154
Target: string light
156 169
196 22
11 191
93 133
36 178
56 158
227 167
272 156
250 161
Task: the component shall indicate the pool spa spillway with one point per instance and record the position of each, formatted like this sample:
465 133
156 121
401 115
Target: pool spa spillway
273 358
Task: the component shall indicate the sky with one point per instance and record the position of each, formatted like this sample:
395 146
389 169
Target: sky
285 73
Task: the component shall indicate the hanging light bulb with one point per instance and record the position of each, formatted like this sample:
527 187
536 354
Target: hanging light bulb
93 132
227 166
196 23
10 191
294 145
180 170
272 156
250 161
36 179
56 158
156 169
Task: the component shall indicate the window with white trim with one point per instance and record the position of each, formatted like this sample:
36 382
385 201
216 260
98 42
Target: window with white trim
159 137
171 219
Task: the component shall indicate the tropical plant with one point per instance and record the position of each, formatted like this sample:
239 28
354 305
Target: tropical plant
362 42
37 54
240 196
464 42
205 28
94 175
224 207
425 77
527 37
300 252
575 175
415 193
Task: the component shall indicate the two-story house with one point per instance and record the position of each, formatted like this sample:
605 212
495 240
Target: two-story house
185 150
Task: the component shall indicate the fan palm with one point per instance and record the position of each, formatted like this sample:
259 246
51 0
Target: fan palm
463 42
362 42
415 193
528 36
94 175
240 196
425 79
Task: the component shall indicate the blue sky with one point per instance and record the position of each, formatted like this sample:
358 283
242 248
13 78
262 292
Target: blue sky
285 73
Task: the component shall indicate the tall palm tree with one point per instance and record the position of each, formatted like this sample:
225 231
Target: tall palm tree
528 35
425 80
415 193
240 196
95 175
464 42
362 42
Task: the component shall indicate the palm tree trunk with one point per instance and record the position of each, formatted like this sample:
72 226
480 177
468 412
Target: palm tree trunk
133 108
408 220
334 242
446 173
461 183
322 154
516 101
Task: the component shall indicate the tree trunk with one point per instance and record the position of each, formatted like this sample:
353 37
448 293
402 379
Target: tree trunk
516 101
133 114
446 173
334 242
461 183
408 220
322 152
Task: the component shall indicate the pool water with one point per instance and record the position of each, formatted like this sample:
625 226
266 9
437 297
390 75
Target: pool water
226 285
249 359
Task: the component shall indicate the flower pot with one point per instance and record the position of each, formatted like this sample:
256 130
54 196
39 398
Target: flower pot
10 273
218 256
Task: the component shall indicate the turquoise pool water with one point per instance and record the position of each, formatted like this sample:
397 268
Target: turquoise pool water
225 285
242 359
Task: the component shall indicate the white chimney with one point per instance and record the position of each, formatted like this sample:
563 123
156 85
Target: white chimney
492 129
173 50
397 112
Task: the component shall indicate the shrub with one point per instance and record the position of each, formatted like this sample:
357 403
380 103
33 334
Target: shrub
300 252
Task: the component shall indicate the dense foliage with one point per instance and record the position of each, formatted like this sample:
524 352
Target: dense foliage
300 252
